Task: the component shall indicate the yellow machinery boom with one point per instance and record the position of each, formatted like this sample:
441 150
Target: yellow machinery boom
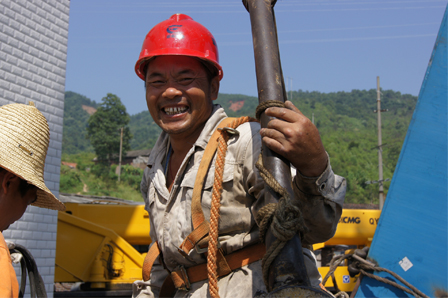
103 245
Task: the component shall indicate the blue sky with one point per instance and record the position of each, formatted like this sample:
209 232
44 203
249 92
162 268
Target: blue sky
325 46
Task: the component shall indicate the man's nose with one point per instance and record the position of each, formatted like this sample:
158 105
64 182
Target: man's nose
172 92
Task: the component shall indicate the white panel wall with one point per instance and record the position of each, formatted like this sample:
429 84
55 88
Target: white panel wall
33 52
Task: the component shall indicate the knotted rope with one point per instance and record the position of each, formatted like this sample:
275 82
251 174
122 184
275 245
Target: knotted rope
360 265
212 268
284 217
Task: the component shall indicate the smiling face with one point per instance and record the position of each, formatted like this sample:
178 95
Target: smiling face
179 95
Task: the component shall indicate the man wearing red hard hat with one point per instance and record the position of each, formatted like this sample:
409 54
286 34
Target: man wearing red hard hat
201 186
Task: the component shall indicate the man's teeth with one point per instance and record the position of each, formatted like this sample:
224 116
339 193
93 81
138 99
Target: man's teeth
175 110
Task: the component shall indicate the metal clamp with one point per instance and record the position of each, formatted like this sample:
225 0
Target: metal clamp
230 131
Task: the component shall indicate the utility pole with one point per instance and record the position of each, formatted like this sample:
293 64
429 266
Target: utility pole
380 145
119 158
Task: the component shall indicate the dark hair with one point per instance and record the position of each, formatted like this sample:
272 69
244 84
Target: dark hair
24 186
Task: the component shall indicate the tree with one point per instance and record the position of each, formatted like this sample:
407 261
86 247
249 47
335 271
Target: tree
75 123
103 130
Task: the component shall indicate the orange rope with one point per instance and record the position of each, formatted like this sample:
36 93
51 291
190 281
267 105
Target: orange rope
212 268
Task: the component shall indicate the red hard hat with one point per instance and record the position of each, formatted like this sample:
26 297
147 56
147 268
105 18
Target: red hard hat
179 35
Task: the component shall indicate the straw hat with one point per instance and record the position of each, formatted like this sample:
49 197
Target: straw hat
24 139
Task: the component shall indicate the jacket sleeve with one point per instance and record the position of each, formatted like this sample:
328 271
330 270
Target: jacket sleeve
321 200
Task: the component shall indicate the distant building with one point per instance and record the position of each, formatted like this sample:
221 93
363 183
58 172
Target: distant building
137 158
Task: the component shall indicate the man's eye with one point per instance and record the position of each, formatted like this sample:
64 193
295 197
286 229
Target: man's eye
156 82
185 80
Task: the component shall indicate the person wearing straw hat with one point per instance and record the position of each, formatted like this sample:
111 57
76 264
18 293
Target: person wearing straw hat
24 139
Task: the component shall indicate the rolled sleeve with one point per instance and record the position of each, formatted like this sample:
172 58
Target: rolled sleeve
321 200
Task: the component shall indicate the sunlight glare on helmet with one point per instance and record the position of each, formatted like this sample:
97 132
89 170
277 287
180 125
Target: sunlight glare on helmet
179 35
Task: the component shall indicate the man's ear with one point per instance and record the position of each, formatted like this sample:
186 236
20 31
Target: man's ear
8 179
214 88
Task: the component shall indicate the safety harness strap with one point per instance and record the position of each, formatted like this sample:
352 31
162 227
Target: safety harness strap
183 277
150 258
200 225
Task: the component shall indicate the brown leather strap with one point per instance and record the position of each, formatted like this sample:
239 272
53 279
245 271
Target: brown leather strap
182 277
200 225
150 258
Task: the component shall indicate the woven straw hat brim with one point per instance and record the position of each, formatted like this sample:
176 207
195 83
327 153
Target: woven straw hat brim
24 139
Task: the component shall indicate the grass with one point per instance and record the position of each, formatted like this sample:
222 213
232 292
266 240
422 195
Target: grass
91 179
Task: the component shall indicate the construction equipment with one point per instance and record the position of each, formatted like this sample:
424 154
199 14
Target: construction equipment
101 245
356 229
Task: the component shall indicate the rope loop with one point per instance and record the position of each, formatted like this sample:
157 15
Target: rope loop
286 222
267 104
284 217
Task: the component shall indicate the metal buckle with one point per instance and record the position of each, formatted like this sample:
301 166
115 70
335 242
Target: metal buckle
184 274
183 253
230 131
205 249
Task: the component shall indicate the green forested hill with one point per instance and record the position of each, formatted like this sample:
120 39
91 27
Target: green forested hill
348 127
144 130
75 122
346 122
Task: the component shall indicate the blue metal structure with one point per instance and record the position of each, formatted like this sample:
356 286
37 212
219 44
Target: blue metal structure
411 237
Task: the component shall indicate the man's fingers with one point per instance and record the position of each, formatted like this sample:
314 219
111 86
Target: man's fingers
292 107
282 113
290 113
274 145
272 134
